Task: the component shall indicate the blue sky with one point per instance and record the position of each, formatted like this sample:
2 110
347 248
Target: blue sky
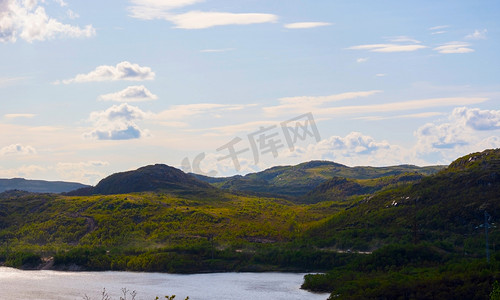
89 88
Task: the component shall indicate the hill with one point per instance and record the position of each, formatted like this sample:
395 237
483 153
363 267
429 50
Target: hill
39 186
149 178
445 207
297 181
341 189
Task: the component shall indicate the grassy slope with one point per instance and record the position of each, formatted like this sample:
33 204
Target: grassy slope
135 224
441 214
300 179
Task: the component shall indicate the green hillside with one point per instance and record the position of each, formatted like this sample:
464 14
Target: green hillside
339 188
428 237
189 233
377 233
296 181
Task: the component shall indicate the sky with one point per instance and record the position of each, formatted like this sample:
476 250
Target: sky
218 87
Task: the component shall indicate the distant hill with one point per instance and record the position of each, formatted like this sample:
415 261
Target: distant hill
339 188
301 179
149 178
448 206
39 186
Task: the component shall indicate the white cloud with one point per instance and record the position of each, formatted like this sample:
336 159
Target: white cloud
478 119
162 9
117 123
303 104
477 35
216 165
354 149
439 27
182 112
388 48
17 149
135 93
122 71
315 104
406 116
380 75
15 116
61 3
82 172
217 50
23 171
156 9
361 60
202 20
29 21
7 81
306 25
465 130
72 15
403 39
237 128
454 47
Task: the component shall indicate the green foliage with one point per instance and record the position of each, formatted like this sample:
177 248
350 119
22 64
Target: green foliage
297 181
495 293
25 260
407 272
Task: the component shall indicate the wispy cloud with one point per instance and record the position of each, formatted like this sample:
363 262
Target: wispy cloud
306 25
182 112
402 106
29 21
387 48
17 149
136 93
217 50
403 39
317 107
15 116
439 27
361 60
7 81
306 103
24 171
236 128
203 20
84 172
406 116
122 71
195 19
454 47
477 35
157 9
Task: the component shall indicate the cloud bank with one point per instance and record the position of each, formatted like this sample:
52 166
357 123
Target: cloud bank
29 21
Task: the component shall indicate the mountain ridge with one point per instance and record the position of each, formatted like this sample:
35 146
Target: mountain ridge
39 186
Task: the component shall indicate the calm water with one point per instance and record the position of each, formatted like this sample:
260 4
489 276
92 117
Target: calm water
38 285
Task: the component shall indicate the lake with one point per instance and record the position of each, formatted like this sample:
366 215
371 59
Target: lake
45 285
